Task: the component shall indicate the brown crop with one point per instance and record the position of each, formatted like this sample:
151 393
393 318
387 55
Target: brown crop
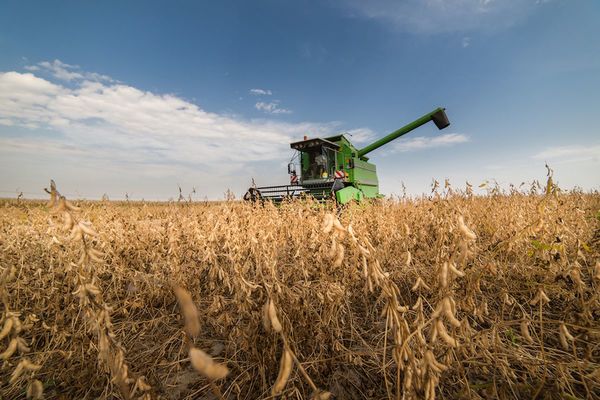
449 296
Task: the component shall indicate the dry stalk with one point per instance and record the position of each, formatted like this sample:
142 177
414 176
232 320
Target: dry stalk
400 298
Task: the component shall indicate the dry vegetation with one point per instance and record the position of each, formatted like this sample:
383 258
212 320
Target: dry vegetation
450 296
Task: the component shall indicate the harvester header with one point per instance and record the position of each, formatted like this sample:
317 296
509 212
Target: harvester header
333 168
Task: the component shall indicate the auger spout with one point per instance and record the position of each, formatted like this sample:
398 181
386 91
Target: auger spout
438 116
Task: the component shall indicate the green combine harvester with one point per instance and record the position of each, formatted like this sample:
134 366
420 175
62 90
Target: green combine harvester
332 168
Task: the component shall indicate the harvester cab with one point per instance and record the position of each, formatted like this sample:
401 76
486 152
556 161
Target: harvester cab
317 160
332 168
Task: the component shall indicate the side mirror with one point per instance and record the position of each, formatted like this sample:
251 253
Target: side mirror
291 169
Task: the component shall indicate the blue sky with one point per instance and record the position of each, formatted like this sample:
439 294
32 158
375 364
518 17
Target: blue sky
140 96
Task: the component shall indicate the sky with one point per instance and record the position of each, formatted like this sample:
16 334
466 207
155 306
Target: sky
140 97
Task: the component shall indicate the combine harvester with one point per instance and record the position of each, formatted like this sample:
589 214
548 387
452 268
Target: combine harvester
332 168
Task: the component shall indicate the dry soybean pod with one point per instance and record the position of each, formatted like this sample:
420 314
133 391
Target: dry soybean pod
275 324
189 311
327 223
10 350
8 324
450 341
285 369
205 365
525 331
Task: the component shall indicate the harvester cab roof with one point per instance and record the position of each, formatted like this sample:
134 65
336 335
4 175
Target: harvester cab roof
334 168
308 144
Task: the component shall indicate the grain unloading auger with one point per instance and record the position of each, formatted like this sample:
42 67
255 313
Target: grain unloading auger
334 168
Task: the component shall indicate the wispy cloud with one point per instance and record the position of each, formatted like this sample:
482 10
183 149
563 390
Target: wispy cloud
361 135
120 121
422 142
435 16
315 52
261 92
466 42
67 72
573 153
271 108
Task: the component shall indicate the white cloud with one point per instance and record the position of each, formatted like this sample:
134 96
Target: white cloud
261 92
466 42
67 72
120 115
32 146
422 142
361 135
271 108
566 154
109 126
435 16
